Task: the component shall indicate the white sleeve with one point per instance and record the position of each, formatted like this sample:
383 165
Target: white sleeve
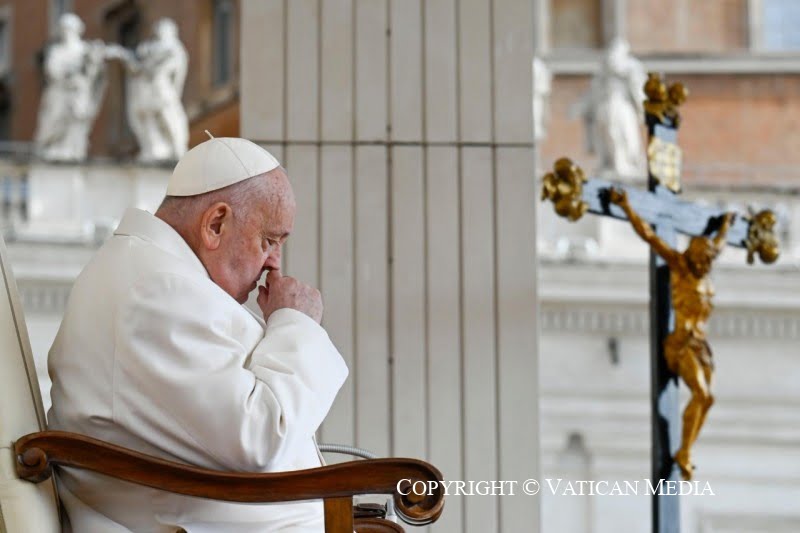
185 384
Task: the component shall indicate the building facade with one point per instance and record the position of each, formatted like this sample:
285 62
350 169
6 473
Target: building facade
209 30
405 128
740 60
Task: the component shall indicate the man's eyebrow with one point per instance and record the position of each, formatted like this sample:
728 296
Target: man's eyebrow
266 233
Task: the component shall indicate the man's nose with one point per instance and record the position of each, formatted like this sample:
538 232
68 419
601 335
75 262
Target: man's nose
273 261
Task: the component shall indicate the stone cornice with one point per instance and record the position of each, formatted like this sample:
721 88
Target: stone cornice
50 296
706 64
607 282
611 298
633 320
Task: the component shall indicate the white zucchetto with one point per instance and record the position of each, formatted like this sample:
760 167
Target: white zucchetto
217 163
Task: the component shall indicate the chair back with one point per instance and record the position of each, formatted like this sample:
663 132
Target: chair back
24 506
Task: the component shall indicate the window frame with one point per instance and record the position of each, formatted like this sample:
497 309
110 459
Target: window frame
755 60
218 77
757 45
6 47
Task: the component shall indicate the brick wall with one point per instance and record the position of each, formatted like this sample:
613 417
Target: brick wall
687 25
738 129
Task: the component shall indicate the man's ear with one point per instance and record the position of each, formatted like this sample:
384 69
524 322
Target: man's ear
215 220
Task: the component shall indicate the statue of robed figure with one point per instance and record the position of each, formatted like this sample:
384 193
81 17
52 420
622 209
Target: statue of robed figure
156 72
75 78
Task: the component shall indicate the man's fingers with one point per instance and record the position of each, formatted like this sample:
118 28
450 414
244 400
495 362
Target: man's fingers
286 292
263 295
273 275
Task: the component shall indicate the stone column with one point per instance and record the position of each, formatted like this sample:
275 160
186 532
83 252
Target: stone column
406 130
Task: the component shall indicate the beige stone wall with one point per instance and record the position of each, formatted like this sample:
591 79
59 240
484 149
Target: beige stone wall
405 126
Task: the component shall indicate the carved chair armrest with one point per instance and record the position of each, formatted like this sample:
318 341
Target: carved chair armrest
336 484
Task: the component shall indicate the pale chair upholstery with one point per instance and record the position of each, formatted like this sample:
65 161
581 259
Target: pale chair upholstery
24 506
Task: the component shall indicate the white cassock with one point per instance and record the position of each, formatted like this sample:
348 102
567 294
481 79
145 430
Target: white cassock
154 356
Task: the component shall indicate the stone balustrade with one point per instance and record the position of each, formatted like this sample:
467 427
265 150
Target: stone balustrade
73 203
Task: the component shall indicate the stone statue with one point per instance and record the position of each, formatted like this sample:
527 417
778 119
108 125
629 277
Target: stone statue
75 75
686 349
612 113
542 81
156 74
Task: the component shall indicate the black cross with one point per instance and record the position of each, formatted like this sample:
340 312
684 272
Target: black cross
668 215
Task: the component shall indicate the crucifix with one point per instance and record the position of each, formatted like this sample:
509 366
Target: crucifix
680 291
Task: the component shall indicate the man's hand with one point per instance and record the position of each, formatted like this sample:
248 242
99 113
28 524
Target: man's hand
284 291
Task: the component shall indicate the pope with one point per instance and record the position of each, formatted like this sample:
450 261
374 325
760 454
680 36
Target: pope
157 352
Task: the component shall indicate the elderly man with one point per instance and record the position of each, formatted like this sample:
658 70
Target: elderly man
157 353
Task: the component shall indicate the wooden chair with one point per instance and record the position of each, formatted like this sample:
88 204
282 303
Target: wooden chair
28 453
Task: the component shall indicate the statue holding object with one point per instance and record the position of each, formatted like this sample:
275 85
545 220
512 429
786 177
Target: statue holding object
75 78
612 114
75 73
156 75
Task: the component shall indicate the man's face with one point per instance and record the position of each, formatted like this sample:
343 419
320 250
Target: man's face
256 242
